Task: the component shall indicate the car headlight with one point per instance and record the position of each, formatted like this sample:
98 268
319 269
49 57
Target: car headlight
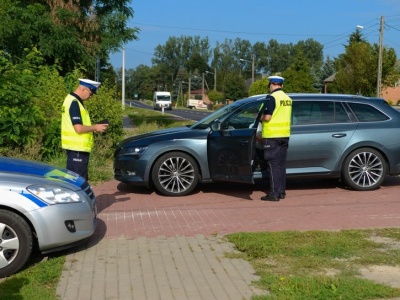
54 194
133 151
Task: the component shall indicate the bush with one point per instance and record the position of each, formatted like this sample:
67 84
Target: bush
104 106
259 87
32 94
20 118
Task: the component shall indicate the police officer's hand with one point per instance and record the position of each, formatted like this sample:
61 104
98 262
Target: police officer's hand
100 127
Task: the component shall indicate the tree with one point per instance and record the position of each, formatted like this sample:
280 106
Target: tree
278 56
328 69
69 33
298 78
181 52
357 68
390 67
234 86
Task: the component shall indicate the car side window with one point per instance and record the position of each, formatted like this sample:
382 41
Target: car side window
367 113
244 118
318 112
312 112
341 115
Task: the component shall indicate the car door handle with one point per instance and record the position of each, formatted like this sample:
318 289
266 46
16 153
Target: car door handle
338 135
244 142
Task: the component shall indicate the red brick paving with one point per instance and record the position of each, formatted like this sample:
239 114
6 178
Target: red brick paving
126 211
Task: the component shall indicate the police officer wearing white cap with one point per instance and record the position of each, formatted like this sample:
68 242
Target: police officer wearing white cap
77 129
276 120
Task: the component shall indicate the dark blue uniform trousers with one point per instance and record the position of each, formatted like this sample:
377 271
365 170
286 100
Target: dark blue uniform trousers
275 151
78 162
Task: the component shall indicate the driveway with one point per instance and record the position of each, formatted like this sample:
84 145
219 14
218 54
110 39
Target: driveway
225 208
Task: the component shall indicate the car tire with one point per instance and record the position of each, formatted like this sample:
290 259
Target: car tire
364 169
16 242
175 174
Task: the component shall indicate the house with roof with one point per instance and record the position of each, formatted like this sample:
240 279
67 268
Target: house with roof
391 93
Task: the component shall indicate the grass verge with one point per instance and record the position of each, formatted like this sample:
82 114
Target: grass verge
320 264
37 281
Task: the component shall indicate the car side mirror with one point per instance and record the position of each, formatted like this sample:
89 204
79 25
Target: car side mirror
216 125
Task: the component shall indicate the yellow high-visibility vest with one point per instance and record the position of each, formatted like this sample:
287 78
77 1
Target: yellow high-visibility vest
279 124
70 139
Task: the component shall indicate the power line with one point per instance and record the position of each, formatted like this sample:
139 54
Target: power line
139 51
233 32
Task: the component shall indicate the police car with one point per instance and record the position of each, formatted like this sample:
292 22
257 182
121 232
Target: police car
44 206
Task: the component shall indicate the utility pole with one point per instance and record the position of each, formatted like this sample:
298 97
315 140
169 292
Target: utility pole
189 88
253 58
252 67
215 79
202 89
123 78
379 80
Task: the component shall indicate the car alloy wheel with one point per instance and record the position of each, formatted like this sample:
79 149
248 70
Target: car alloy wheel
175 174
364 169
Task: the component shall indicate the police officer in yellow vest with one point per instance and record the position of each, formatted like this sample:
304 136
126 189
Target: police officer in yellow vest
77 129
276 120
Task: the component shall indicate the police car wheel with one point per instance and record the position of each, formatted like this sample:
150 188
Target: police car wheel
16 243
175 174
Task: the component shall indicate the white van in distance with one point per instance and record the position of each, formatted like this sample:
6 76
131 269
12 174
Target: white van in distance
162 100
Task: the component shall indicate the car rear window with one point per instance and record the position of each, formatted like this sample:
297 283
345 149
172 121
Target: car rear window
367 113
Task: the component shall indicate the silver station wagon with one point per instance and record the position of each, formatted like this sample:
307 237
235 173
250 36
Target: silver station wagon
42 207
351 138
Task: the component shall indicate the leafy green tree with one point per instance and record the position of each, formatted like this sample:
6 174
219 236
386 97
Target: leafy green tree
357 68
197 62
328 69
312 52
234 86
68 33
279 58
390 67
298 78
178 52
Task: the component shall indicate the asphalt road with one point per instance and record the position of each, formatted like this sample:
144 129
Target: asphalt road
189 114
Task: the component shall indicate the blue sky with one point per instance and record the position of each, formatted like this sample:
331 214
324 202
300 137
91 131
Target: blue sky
328 22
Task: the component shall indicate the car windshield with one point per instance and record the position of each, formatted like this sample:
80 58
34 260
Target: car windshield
164 98
217 115
223 111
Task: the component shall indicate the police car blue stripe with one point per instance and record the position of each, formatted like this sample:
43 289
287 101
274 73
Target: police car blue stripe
34 199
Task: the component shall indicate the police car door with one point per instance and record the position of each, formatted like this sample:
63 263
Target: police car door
231 145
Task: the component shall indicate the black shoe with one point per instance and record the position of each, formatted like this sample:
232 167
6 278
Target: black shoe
269 198
282 195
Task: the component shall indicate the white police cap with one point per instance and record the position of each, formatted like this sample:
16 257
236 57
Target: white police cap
92 85
276 79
